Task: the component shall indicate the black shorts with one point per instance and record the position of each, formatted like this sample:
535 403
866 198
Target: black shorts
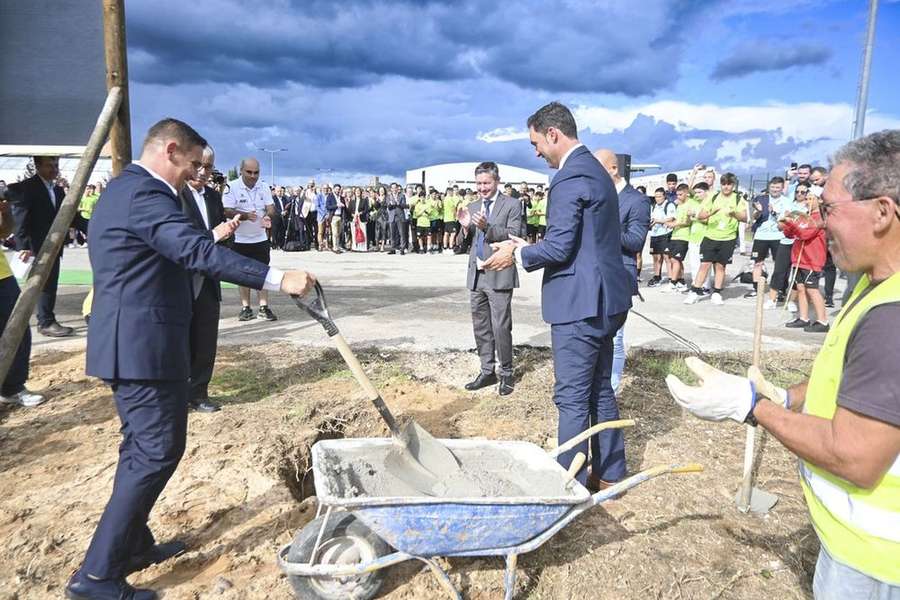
716 251
531 229
762 249
542 229
451 226
422 230
437 226
659 243
677 249
807 278
257 251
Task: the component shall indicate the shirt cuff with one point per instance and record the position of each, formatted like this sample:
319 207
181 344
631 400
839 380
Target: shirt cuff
273 280
517 254
215 235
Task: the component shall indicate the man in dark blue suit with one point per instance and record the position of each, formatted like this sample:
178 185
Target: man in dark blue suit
586 291
143 250
634 220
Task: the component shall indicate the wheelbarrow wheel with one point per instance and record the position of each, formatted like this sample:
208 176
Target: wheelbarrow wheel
346 540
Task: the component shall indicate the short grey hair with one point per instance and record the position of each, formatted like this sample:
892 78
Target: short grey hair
488 167
874 162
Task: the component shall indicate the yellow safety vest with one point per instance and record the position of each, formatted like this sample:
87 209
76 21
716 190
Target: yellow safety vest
858 527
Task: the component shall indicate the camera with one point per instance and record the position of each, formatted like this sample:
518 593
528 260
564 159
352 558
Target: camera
217 178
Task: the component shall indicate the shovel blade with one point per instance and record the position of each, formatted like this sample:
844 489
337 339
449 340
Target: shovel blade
761 501
434 456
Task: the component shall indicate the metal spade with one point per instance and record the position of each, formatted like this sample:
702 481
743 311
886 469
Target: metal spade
417 458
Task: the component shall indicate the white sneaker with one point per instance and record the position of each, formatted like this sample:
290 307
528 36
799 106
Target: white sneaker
692 298
716 298
792 307
769 304
680 287
24 398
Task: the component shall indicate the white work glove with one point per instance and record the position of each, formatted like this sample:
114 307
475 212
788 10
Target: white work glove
765 389
720 395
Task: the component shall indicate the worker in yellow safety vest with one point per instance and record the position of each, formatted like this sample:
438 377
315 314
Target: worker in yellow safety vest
844 422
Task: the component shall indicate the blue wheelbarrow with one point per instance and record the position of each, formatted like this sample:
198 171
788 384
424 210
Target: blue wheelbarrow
359 530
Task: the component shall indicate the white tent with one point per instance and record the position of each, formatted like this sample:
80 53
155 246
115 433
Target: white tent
463 174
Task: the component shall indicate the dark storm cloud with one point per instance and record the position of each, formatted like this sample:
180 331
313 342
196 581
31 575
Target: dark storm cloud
765 55
560 46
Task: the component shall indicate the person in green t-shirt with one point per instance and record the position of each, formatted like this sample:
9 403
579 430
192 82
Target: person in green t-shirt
694 203
678 241
421 211
452 200
537 218
723 211
436 222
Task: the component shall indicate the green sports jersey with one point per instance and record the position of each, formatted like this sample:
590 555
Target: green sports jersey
536 214
451 204
420 213
435 209
682 229
720 226
698 228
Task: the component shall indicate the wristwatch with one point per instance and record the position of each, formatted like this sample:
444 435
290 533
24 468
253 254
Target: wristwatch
750 419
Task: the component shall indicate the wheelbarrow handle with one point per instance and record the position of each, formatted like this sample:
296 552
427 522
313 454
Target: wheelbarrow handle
317 308
588 433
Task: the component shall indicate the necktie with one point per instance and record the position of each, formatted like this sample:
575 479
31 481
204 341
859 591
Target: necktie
487 215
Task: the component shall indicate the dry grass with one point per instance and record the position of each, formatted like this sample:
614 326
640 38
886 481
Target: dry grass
244 486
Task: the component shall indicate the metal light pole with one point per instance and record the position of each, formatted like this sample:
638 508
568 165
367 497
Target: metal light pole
862 98
272 154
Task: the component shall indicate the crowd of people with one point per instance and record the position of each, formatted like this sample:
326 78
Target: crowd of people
384 218
697 227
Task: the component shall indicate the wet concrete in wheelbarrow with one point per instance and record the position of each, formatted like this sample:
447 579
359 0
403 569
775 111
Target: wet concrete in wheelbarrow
488 469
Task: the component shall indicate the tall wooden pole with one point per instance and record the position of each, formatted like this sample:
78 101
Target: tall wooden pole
117 76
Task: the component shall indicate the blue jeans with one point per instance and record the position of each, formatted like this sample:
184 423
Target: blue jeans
836 581
618 365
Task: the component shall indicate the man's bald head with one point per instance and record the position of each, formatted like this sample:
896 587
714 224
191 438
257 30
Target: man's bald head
610 162
250 172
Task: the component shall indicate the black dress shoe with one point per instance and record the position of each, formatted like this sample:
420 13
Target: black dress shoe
155 555
392 252
54 329
203 405
483 380
81 587
506 386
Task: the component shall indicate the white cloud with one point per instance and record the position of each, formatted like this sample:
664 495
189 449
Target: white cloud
802 121
503 134
694 143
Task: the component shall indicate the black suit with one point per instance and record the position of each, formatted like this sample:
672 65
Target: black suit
207 296
34 212
282 206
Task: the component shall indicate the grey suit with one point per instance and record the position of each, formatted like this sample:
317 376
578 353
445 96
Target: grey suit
490 292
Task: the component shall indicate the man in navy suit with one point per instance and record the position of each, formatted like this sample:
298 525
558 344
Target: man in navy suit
586 291
35 204
143 250
634 220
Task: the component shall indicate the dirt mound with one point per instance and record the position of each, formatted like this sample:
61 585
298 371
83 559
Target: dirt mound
244 486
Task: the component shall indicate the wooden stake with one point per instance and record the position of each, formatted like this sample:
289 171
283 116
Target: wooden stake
747 481
117 76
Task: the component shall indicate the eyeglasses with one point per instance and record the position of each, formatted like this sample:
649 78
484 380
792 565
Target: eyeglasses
826 208
802 192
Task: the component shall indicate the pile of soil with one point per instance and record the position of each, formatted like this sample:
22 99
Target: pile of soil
244 486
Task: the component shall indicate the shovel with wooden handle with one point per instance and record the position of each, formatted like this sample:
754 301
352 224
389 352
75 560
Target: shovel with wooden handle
749 498
418 458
